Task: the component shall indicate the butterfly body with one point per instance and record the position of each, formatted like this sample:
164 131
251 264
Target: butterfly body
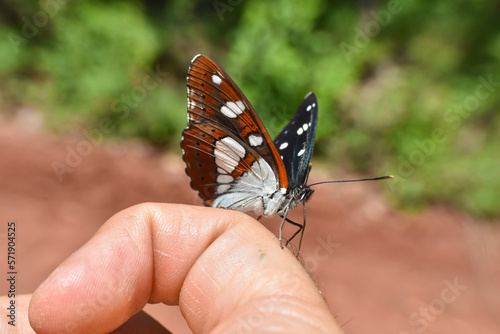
230 158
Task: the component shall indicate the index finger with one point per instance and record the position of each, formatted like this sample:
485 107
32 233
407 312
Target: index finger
225 270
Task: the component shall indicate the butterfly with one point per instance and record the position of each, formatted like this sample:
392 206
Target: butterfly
231 160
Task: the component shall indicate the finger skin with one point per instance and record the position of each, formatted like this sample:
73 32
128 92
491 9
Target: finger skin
225 270
140 323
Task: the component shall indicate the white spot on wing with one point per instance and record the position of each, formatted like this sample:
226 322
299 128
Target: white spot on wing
216 79
224 178
255 140
305 126
228 154
235 107
228 112
233 144
300 131
223 188
309 107
232 110
224 161
221 171
301 152
284 145
240 105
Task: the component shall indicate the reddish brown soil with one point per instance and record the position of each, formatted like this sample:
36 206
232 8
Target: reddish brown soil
386 271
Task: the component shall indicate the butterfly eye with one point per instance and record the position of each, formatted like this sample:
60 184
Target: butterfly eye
298 193
302 193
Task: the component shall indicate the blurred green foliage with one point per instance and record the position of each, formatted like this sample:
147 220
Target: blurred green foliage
404 87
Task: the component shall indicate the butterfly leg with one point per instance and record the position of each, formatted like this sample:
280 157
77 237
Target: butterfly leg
301 229
281 226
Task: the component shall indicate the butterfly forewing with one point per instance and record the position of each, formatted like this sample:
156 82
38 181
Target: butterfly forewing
295 143
224 136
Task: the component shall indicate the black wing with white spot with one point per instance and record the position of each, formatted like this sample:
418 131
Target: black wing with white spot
296 142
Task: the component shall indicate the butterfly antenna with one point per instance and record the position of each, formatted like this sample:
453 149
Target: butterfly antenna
357 180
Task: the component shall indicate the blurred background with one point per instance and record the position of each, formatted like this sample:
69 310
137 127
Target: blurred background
93 103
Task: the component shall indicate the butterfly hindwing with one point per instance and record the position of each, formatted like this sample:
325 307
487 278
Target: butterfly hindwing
296 141
224 137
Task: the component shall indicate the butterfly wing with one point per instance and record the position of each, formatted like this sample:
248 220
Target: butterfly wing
225 139
296 142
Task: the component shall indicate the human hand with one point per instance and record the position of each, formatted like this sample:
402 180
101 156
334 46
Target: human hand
224 269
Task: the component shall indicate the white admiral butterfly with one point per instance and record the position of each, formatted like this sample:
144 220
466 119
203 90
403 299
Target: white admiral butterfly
230 158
